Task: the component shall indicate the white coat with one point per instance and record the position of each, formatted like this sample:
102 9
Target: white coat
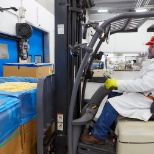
134 103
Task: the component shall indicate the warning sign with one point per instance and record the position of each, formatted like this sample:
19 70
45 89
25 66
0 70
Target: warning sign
60 28
59 117
60 121
60 126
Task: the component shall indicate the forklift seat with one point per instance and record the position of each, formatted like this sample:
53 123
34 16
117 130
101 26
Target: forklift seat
134 136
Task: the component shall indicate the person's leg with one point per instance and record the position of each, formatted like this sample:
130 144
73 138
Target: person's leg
102 126
113 94
106 119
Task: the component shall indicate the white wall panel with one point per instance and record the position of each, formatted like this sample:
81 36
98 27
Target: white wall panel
45 19
46 22
10 3
48 4
8 26
31 14
134 42
128 42
9 18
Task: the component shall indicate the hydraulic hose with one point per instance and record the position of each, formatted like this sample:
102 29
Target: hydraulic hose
89 65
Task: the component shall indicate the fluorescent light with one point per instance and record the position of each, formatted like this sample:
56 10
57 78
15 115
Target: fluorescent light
102 10
141 10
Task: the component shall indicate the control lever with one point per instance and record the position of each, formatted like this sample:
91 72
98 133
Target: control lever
90 110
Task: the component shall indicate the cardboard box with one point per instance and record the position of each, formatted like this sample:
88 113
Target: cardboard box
121 67
12 144
28 135
27 70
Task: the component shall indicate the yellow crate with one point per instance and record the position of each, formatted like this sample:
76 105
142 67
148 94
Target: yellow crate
17 86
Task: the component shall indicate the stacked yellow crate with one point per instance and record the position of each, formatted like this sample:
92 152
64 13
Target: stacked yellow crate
17 86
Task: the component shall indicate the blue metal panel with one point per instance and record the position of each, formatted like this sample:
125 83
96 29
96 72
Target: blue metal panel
12 50
36 44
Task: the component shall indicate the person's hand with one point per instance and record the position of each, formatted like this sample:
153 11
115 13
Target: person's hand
111 83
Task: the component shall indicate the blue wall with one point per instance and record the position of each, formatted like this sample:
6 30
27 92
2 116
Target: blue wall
36 44
36 48
12 50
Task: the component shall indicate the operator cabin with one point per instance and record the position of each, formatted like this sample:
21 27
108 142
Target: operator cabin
60 64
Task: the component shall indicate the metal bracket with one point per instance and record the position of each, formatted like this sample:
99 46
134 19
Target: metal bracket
13 8
102 39
94 26
78 47
23 48
90 24
75 9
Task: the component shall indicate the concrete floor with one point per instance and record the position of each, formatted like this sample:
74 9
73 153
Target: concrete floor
92 87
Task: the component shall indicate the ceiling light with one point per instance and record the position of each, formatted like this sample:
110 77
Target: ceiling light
141 10
102 10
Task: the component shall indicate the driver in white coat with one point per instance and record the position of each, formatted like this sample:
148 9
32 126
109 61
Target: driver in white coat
134 101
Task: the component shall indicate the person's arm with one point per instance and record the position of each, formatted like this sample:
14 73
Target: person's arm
144 84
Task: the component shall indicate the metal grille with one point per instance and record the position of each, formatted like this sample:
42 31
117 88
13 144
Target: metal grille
118 25
127 25
135 23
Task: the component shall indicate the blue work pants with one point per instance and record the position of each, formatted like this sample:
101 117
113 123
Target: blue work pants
106 119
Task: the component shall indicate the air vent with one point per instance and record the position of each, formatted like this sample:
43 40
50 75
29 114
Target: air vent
24 30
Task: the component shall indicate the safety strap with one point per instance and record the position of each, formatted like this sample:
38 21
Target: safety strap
151 97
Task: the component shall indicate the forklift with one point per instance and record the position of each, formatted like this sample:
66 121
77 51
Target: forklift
72 114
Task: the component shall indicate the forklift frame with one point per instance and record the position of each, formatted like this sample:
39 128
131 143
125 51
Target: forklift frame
69 70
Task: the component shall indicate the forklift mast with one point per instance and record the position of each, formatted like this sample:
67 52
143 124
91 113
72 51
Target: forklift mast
69 66
68 32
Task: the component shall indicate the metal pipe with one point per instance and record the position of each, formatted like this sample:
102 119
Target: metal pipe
72 103
89 65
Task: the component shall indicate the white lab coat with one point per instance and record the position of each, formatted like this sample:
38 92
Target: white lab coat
134 103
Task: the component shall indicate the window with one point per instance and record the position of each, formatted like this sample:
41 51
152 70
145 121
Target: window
4 51
38 59
29 59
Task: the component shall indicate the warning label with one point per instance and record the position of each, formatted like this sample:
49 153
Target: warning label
59 117
60 126
60 121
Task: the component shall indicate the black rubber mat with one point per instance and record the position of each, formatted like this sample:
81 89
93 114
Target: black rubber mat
95 149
